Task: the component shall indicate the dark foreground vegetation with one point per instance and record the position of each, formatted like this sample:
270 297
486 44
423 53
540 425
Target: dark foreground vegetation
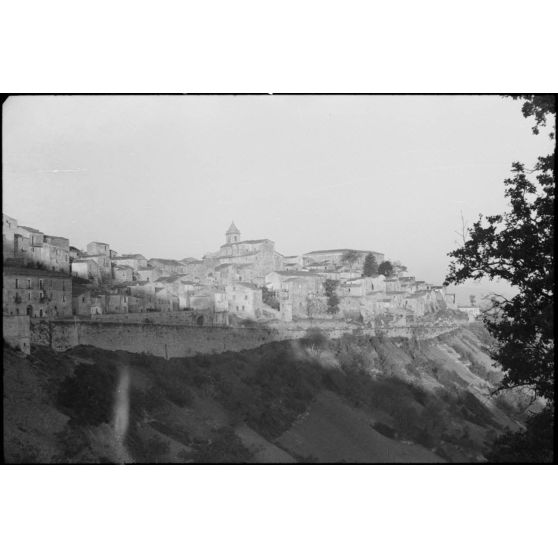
257 406
517 246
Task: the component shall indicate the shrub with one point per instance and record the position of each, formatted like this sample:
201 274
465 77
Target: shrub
88 396
225 447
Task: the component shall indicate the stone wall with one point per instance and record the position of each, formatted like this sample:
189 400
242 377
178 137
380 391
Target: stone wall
180 340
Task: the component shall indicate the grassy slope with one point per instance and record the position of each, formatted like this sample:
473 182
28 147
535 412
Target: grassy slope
352 400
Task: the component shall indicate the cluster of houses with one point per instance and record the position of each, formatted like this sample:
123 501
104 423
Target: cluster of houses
44 276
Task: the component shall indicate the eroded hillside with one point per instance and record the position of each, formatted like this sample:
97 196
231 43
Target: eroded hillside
355 400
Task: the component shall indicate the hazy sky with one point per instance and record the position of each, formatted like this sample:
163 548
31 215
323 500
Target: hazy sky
165 176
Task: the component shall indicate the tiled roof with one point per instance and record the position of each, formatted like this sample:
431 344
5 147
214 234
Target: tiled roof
165 261
258 241
31 229
248 286
297 274
233 229
168 279
341 250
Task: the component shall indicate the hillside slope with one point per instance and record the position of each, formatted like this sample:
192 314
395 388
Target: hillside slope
355 400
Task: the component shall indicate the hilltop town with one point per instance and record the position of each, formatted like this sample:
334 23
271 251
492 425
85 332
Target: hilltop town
245 280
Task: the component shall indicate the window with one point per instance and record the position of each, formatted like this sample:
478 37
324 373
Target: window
17 311
28 296
82 299
41 286
28 283
245 297
17 284
64 299
243 308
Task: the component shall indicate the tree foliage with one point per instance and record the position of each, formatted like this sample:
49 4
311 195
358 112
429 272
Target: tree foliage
386 268
533 445
518 247
330 287
350 258
87 396
370 267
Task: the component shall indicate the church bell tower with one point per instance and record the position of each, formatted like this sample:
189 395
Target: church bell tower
232 234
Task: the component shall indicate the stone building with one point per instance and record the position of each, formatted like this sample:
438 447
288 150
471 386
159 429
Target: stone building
81 300
148 274
144 294
166 267
178 286
103 264
292 263
195 269
25 245
259 255
135 261
122 273
95 248
116 303
166 300
36 293
9 230
244 300
416 303
87 269
473 312
332 259
279 280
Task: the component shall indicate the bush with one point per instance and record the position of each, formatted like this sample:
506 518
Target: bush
88 396
225 447
534 445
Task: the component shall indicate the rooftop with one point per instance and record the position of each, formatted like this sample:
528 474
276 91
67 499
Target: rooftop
257 241
30 229
168 279
248 286
56 237
342 250
297 274
233 229
165 261
31 271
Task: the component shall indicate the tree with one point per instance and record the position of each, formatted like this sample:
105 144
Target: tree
330 286
518 246
370 267
386 268
350 257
